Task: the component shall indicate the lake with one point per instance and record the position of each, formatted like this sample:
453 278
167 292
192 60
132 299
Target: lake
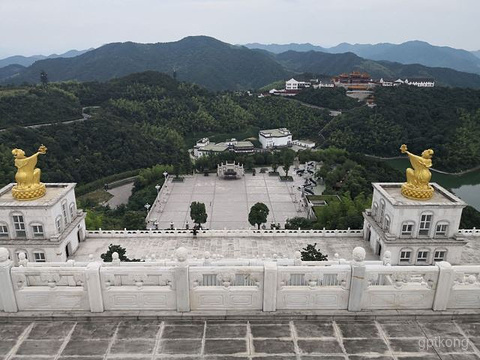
466 187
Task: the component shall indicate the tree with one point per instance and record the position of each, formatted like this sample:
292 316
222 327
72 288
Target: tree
198 213
287 160
299 222
121 251
44 78
310 253
275 162
258 214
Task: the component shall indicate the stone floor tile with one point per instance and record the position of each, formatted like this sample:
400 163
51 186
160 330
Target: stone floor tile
133 331
370 357
81 358
308 329
358 330
401 330
183 332
410 346
471 329
323 357
275 357
373 346
441 330
221 331
320 346
418 357
50 330
38 347
6 345
94 330
459 357
44 357
136 346
223 357
180 347
228 347
12 331
273 346
270 331
452 347
116 357
86 347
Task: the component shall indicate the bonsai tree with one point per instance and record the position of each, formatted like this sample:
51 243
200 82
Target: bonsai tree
198 213
258 214
310 253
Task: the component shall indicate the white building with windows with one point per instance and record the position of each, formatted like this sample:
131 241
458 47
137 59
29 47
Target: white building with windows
415 232
46 229
275 138
293 84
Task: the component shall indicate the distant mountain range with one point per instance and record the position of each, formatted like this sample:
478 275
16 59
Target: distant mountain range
29 60
411 52
219 66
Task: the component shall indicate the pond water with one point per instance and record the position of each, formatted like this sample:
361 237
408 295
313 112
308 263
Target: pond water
466 187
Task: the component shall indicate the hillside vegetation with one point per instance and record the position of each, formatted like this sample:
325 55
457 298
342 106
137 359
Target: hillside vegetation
37 105
144 120
446 120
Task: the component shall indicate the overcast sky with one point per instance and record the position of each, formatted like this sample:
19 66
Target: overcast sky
30 27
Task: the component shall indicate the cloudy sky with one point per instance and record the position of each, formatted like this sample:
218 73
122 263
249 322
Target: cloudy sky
30 27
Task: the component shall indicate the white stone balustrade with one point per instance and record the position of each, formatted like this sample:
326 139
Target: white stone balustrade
212 284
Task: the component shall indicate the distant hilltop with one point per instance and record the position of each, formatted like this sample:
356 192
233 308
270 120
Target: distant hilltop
219 66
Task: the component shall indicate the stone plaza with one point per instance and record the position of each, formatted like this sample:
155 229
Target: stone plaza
227 201
240 340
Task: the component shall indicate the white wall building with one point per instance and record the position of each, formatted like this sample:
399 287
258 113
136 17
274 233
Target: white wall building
415 232
293 84
275 138
46 229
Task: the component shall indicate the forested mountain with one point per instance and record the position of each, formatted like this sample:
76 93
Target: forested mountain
410 52
145 119
216 65
29 60
446 120
200 59
333 64
10 71
280 48
415 52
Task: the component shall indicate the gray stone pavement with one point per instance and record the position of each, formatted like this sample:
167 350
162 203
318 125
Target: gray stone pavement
229 340
228 201
120 195
229 247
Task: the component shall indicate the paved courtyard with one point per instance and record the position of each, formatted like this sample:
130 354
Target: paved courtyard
229 340
163 246
227 201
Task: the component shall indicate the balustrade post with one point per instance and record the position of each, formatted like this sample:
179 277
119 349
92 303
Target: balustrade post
270 286
94 288
182 283
444 285
7 294
358 281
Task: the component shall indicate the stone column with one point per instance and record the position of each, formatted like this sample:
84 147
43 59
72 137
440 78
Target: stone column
357 283
270 286
444 285
182 283
94 288
7 294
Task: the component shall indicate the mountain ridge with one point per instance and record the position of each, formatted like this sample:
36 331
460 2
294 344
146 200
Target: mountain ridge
409 52
219 66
